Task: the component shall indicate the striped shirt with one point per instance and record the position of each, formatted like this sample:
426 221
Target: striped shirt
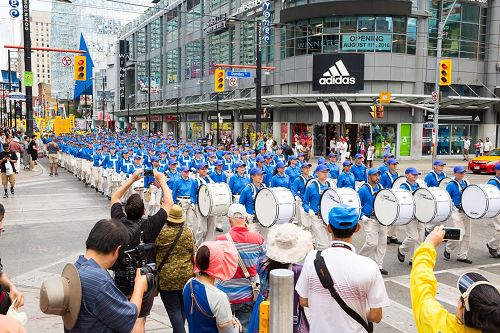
250 246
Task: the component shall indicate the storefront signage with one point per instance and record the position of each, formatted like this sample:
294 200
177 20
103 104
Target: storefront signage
429 125
266 22
338 72
123 46
170 118
482 3
155 118
405 140
14 12
193 117
216 24
366 42
140 118
250 8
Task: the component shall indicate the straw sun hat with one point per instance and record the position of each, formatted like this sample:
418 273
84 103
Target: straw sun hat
288 243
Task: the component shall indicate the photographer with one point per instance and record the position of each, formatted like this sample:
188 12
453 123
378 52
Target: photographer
140 231
104 308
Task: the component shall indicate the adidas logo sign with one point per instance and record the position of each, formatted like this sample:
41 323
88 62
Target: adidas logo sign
337 74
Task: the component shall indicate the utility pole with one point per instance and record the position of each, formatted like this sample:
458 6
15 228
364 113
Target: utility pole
437 87
218 117
258 79
27 66
178 114
10 87
149 98
103 105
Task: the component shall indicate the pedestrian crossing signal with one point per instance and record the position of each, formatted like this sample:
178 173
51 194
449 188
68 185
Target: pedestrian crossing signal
220 78
80 68
377 111
445 72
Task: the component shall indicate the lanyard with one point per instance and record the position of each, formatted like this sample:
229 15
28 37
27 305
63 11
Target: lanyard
340 245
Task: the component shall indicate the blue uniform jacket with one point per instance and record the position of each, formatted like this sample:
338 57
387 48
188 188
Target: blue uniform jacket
432 178
182 187
409 187
293 172
237 183
455 189
359 172
312 196
247 197
218 177
383 168
281 181
334 170
367 196
387 178
196 185
298 186
346 179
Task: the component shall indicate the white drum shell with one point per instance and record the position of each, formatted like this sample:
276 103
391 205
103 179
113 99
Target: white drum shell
214 199
444 182
481 201
397 183
333 197
432 205
274 205
394 207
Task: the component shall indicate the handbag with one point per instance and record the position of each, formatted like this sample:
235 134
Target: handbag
327 282
8 168
165 258
5 302
255 284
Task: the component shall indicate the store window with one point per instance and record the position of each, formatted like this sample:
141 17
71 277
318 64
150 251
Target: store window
194 60
172 25
302 133
141 76
173 66
155 75
195 130
248 130
450 139
155 29
193 15
383 135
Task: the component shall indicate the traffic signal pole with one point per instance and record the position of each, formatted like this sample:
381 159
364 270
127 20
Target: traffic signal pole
27 66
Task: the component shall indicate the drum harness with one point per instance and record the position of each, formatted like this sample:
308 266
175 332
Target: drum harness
409 186
454 180
305 181
373 194
437 177
316 181
390 176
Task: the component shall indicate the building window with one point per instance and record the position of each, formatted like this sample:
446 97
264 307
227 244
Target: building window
247 43
155 28
217 3
141 42
194 60
173 66
172 22
221 49
155 75
193 15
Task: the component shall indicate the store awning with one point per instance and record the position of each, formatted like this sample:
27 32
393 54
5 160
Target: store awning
347 101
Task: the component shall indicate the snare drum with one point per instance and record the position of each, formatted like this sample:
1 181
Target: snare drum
444 182
394 207
432 205
214 199
333 197
481 201
274 205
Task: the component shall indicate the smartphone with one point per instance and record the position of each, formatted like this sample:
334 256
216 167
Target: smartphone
455 234
148 172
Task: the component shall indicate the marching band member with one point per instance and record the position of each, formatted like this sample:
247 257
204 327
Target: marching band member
185 159
279 157
385 165
197 159
113 164
171 172
432 178
154 203
268 168
251 159
414 230
220 151
206 225
332 165
298 191
247 198
358 169
227 162
387 178
293 169
163 159
95 178
346 178
375 244
181 193
211 160
494 244
126 163
78 157
219 176
458 217
280 179
310 203
245 160
238 181
147 157
87 163
236 155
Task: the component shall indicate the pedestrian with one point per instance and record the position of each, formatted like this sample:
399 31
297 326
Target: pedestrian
333 145
354 279
466 148
250 245
370 154
174 261
487 146
8 169
17 148
478 305
33 152
387 149
287 246
479 147
53 150
26 156
207 308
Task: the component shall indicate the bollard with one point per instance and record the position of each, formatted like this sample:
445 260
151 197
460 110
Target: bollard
281 296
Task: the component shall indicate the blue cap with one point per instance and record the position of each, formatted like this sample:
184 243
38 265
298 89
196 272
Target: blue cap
343 217
268 156
244 153
305 164
247 145
346 163
173 154
392 161
125 151
239 164
251 151
497 167
321 160
280 165
458 169
172 161
358 156
162 151
236 148
227 153
154 159
300 155
197 151
201 166
439 162
137 157
256 171
373 171
218 163
388 155
293 157
259 159
184 168
112 147
211 155
332 155
321 168
412 171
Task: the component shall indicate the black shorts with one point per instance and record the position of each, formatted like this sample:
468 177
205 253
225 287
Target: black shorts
147 303
34 156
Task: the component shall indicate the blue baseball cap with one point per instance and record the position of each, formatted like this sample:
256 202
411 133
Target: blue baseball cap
112 147
321 160
227 152
497 167
280 165
251 151
244 153
256 171
305 164
259 159
154 159
412 171
239 164
184 168
332 155
387 155
201 166
343 217
218 163
439 162
346 163
268 156
321 168
373 171
392 161
172 161
211 155
300 155
293 157
137 157
459 169
358 156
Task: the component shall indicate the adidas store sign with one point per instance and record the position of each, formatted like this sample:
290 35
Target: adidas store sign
338 73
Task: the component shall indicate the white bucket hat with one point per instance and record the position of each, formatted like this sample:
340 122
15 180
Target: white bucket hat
288 243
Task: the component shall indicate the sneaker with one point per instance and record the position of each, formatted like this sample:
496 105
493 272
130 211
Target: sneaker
466 261
393 240
50 174
6 195
410 263
383 272
219 229
493 252
446 255
401 257
12 190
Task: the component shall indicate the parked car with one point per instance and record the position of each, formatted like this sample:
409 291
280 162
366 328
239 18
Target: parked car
485 163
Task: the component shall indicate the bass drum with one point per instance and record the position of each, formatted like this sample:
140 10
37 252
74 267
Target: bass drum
481 201
421 183
333 197
396 184
444 182
432 205
394 207
214 199
274 205
359 184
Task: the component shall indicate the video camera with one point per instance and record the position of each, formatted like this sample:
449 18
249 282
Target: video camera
128 263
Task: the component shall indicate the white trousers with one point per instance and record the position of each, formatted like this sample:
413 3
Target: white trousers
392 231
18 162
375 244
206 227
78 168
319 232
414 236
95 176
188 214
255 226
460 220
494 243
154 203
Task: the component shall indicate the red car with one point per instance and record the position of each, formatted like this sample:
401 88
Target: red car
485 163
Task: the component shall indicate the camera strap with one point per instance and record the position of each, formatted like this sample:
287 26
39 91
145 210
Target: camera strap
170 249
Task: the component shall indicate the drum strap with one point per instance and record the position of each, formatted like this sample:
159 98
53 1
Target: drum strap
496 179
437 177
380 187
460 186
390 175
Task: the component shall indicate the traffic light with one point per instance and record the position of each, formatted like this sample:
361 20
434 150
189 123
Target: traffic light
373 113
80 68
445 72
220 84
380 111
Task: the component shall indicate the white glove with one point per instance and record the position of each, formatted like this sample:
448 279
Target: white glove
250 218
364 218
192 206
311 213
297 198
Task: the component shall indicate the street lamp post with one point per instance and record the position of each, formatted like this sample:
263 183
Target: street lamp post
149 97
27 66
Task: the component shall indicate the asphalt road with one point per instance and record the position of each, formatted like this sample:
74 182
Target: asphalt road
49 218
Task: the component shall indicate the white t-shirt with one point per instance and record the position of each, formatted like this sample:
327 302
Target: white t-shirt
358 281
488 146
370 153
466 144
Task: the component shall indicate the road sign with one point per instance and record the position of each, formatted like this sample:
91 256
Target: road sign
233 81
435 96
66 61
17 96
238 74
429 125
28 79
385 97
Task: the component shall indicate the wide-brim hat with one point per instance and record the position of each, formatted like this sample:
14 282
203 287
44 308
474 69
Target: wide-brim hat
175 215
288 243
223 260
62 296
